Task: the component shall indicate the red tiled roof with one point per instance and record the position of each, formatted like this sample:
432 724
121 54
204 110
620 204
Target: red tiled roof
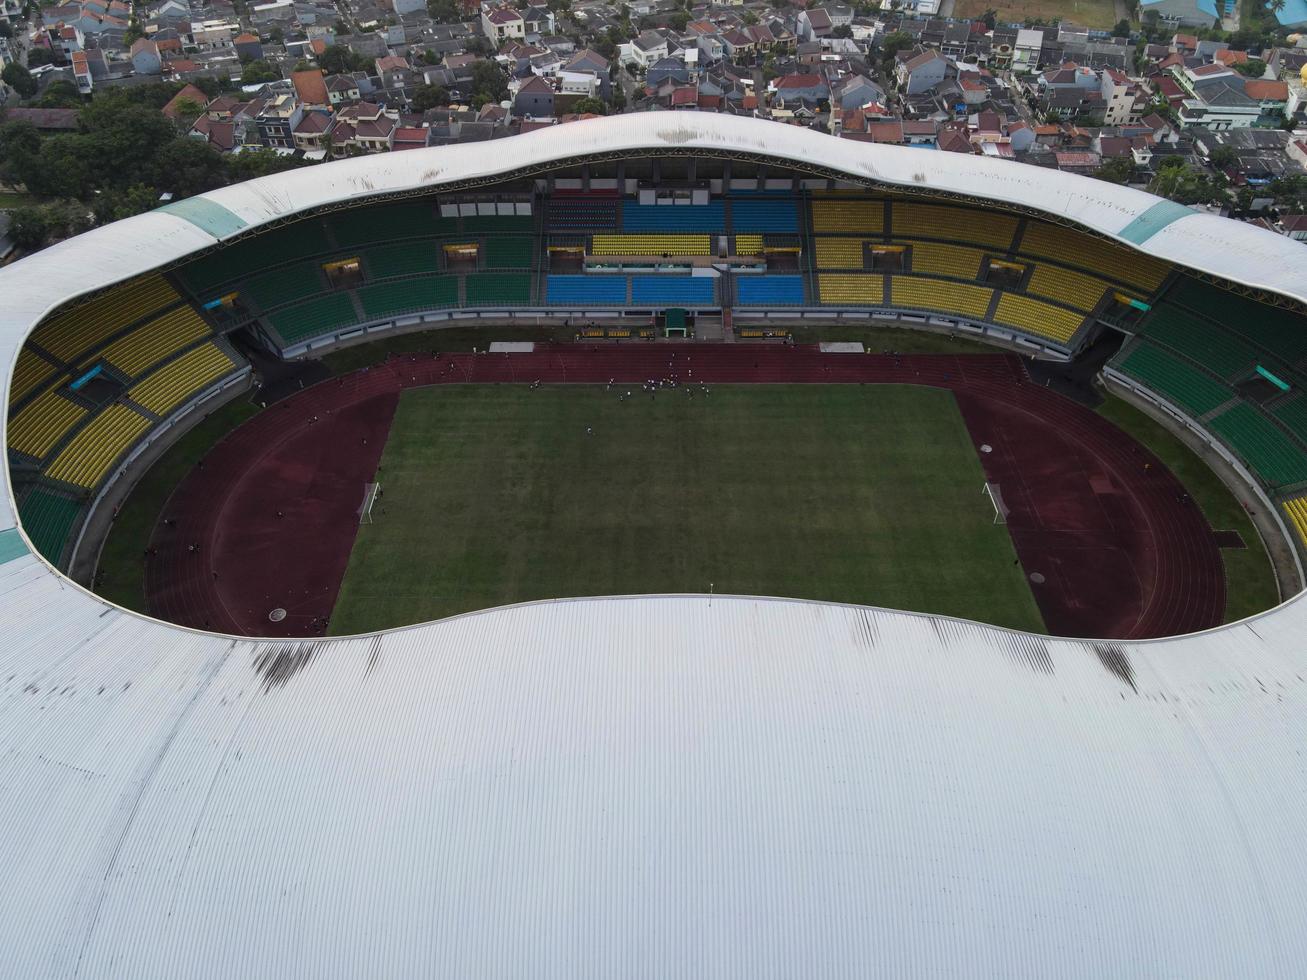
188 93
1266 90
310 86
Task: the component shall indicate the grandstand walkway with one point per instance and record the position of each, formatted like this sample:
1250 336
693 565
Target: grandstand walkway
1117 552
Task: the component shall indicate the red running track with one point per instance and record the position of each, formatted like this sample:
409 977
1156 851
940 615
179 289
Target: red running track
1094 515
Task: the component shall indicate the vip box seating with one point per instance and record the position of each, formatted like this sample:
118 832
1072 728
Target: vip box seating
673 291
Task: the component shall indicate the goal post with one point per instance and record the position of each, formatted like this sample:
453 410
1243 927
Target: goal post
370 493
995 495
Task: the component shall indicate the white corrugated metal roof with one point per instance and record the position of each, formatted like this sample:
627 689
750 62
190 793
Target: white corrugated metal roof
647 786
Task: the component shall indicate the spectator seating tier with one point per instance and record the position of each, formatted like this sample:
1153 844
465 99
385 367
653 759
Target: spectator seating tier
1075 248
1296 510
38 428
971 302
1293 416
409 259
1037 317
1270 453
770 290
586 290
179 380
31 371
683 218
380 223
90 454
1205 344
848 216
910 219
748 244
582 213
266 249
1077 289
673 291
156 340
1280 331
71 334
851 290
282 286
312 317
509 252
945 260
651 245
764 215
488 289
839 253
499 223
48 519
1173 378
409 296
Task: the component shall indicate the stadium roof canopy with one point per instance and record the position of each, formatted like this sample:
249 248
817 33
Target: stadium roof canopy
658 785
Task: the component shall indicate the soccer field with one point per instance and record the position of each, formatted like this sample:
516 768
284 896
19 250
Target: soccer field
497 494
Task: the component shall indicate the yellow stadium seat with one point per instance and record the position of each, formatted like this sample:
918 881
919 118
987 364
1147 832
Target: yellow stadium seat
945 260
1297 511
964 225
73 333
1037 317
748 244
1113 262
173 383
839 253
971 302
852 217
31 371
38 427
851 290
154 340
651 245
1073 288
90 454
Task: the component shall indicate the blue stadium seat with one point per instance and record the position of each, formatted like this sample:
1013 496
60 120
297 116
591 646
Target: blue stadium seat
672 291
770 290
701 218
586 290
762 215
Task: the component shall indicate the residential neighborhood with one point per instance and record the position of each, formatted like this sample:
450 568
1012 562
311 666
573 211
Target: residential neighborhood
1204 106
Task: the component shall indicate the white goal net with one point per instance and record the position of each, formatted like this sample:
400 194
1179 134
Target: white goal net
370 493
995 495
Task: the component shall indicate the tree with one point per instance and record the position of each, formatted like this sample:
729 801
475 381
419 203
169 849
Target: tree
428 97
118 204
678 19
19 79
444 11
340 60
303 65
257 72
37 57
252 163
20 143
843 31
489 83
1252 68
1117 170
188 110
990 18
188 167
1223 156
590 104
277 36
1122 29
29 227
892 45
59 94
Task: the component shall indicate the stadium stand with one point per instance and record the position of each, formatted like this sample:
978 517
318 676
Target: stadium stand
582 212
598 290
1293 416
748 244
1281 332
770 290
1037 317
38 428
849 217
156 340
1174 378
48 519
179 380
1072 288
92 451
945 260
411 259
499 224
1296 510
851 290
763 215
908 219
1203 343
238 259
387 223
1267 451
673 291
410 295
71 334
1074 248
839 253
282 286
651 245
683 218
312 317
498 290
509 252
31 371
944 297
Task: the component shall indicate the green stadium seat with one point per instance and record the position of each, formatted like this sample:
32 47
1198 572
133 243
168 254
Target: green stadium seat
273 289
1175 379
388 223
499 223
1281 332
1268 451
1205 344
1293 414
498 290
509 252
313 317
48 519
409 296
243 258
409 259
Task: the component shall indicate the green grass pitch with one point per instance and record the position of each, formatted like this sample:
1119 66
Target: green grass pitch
496 494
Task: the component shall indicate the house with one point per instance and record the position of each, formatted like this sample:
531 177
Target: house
312 131
145 57
534 98
1118 97
1026 51
1219 98
362 128
920 72
82 73
808 88
342 88
648 48
311 88
814 24
1295 226
277 121
854 91
189 93
396 75
248 46
500 22
403 7
587 60
44 120
410 138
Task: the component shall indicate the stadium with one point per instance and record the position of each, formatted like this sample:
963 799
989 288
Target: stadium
656 547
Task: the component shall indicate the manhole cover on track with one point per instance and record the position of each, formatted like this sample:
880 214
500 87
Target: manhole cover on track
986 448
1037 578
277 615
